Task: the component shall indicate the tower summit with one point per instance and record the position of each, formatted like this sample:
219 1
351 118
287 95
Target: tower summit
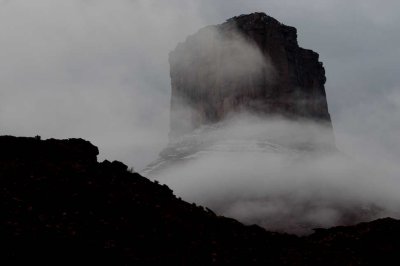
250 63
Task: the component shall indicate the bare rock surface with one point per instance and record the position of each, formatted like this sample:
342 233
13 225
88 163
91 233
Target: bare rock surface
250 63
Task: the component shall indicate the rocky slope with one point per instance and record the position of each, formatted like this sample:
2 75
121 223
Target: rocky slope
250 63
59 206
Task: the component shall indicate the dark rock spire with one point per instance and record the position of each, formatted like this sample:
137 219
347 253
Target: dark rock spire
250 63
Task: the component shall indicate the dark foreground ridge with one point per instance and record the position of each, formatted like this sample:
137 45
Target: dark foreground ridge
59 206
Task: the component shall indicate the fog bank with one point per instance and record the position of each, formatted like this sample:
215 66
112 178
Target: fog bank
273 173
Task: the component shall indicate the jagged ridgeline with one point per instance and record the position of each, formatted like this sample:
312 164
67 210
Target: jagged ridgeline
250 63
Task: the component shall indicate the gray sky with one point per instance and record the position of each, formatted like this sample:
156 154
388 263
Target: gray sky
98 69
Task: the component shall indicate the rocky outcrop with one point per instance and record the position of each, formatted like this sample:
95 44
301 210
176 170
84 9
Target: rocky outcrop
61 207
249 68
250 63
53 150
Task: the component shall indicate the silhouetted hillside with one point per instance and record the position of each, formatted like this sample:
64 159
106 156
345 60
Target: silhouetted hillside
59 206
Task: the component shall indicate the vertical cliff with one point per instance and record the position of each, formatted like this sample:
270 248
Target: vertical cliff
250 63
229 84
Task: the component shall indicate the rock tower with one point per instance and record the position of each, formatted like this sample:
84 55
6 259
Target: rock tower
250 63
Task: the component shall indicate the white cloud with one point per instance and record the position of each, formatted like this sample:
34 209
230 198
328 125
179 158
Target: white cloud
283 188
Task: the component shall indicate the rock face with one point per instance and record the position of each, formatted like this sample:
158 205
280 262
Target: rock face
250 63
249 67
59 206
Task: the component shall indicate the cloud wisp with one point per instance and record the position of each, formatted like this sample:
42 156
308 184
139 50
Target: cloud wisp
250 171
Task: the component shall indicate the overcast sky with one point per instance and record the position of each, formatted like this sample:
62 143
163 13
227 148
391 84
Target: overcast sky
99 70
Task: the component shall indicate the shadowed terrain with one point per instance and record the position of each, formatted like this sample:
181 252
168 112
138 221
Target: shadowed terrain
59 206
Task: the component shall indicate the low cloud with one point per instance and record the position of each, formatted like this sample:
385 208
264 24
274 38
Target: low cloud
249 172
209 72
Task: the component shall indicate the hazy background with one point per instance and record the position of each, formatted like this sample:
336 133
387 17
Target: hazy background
98 69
